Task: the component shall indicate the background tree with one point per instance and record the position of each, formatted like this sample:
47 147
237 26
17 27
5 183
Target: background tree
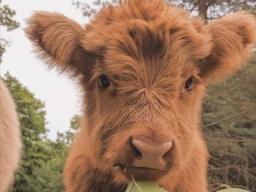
230 126
90 8
50 173
211 9
7 22
68 136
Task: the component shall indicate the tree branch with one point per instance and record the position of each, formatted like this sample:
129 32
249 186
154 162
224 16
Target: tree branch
226 119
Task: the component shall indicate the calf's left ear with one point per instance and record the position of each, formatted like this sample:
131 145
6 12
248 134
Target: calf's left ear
233 38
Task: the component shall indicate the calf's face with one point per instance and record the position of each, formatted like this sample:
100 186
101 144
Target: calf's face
143 67
144 96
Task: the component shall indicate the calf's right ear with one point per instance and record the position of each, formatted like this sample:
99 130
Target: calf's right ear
58 40
233 38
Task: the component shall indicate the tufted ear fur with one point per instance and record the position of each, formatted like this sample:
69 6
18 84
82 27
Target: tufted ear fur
233 37
57 39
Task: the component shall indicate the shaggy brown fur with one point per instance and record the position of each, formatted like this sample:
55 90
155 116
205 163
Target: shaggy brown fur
158 61
10 141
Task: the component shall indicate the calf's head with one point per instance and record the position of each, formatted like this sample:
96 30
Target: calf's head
143 66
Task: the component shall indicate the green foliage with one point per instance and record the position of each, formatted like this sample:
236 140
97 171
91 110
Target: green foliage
74 123
7 21
6 14
49 175
68 136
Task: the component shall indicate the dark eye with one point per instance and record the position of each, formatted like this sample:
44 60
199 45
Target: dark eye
189 84
104 81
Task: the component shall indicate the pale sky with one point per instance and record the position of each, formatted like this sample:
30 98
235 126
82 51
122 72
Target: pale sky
59 94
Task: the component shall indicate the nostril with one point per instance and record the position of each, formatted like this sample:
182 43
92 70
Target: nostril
135 150
168 153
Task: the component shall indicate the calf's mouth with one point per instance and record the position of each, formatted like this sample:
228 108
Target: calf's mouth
140 173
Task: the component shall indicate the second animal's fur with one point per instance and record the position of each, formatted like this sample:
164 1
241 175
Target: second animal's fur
10 139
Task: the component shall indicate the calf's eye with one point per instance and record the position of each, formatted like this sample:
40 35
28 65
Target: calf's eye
103 81
188 86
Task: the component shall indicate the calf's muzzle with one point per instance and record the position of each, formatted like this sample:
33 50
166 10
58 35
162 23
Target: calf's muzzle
151 155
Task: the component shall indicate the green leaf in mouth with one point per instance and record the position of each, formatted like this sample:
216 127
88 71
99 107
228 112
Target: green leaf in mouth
144 186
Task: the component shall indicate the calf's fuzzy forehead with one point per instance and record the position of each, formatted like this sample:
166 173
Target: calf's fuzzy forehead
146 27
135 39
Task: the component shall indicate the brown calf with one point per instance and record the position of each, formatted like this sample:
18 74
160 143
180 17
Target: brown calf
10 141
143 67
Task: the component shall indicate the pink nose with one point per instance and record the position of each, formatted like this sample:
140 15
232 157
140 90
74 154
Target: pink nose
151 156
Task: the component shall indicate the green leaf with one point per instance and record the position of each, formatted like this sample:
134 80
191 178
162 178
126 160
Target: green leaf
144 186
